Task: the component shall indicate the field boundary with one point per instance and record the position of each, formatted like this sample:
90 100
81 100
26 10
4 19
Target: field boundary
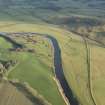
88 68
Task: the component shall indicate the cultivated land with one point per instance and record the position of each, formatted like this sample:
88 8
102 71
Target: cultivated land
8 97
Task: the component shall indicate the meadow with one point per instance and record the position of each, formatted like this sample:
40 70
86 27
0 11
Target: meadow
74 60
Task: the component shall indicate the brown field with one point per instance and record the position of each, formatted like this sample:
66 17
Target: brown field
10 95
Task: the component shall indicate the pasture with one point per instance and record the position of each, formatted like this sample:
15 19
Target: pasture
74 60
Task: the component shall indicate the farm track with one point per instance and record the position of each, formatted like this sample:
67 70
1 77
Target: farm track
88 68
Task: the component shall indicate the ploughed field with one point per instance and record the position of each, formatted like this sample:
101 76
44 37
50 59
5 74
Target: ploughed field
82 59
8 97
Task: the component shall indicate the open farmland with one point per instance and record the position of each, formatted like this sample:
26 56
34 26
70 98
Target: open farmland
52 52
70 52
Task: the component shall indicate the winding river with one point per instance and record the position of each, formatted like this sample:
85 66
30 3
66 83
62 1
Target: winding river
58 67
59 71
60 74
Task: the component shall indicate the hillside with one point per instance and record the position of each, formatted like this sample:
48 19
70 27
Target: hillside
81 16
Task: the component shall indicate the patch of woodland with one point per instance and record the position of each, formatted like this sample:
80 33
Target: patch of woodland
6 65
